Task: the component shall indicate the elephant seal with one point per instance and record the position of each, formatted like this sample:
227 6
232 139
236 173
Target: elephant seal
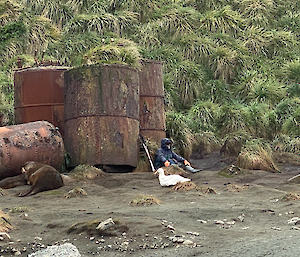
42 177
11 182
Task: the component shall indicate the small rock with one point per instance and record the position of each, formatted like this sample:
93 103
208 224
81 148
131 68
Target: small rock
294 221
105 224
17 253
221 222
296 228
66 250
193 233
202 221
276 228
187 242
170 227
241 218
180 240
230 222
4 236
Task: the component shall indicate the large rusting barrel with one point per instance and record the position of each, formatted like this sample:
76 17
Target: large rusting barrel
34 141
152 111
39 95
102 115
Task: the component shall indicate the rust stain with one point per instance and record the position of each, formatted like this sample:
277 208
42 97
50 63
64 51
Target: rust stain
152 113
105 122
33 141
37 93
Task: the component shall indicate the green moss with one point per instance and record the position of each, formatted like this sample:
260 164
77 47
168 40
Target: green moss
19 209
226 175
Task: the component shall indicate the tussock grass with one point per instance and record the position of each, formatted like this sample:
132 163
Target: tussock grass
19 209
236 188
291 197
5 225
204 143
185 186
86 172
286 149
145 200
76 192
207 190
257 155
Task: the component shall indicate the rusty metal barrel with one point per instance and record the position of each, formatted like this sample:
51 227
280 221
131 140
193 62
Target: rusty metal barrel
152 111
102 115
34 141
39 95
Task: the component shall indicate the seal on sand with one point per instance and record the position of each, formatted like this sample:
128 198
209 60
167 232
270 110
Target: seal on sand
42 177
11 182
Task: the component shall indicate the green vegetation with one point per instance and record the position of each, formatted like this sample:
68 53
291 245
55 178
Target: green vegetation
229 66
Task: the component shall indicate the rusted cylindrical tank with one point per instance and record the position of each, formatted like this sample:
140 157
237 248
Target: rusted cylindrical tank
39 95
152 111
34 141
102 115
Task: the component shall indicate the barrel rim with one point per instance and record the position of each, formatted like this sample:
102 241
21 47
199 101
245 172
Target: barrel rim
103 65
44 68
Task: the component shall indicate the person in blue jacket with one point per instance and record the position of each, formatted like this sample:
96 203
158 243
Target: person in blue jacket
165 157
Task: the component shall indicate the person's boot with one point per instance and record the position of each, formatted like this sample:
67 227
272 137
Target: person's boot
191 169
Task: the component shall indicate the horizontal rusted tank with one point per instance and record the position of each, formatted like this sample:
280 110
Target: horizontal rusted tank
34 141
102 115
39 95
152 111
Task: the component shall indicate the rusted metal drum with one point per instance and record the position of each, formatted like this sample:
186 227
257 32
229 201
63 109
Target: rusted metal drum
39 95
102 115
34 141
152 111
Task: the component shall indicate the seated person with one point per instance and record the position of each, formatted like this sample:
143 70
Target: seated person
165 157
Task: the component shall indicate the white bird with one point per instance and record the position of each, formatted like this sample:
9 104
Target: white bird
169 180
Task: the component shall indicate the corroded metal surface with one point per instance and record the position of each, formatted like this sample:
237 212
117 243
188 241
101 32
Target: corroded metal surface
102 115
152 112
39 95
34 141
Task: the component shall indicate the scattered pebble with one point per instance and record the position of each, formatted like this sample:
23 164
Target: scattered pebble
221 222
276 228
188 242
294 221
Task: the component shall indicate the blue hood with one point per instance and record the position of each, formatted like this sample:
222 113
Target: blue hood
163 143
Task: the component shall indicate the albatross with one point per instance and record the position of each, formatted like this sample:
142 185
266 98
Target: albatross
169 180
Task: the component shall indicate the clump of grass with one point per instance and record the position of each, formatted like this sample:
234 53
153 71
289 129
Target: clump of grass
207 190
5 225
205 143
76 192
86 172
235 188
234 143
257 156
290 197
19 209
145 200
185 186
230 171
286 149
